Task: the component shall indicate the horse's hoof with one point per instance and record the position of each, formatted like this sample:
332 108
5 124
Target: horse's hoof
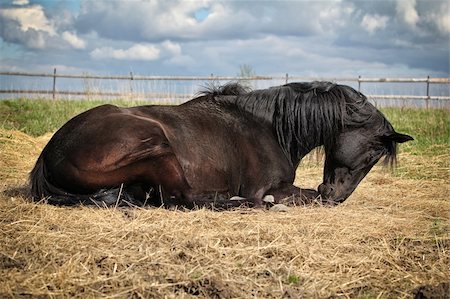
279 208
269 198
237 198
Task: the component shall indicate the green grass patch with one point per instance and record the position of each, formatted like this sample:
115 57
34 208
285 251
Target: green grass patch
429 127
293 279
37 117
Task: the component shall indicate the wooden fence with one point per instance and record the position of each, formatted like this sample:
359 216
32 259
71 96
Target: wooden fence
54 92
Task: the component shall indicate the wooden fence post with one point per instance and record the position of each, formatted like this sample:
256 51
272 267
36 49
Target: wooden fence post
287 78
54 83
131 82
428 91
359 83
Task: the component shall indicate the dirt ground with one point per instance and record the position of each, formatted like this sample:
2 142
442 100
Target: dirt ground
390 239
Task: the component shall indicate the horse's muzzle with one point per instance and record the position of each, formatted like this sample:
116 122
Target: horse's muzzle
329 194
325 190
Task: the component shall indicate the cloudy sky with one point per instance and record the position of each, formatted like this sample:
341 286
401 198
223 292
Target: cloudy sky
174 37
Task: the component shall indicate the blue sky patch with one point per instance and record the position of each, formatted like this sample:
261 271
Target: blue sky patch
201 14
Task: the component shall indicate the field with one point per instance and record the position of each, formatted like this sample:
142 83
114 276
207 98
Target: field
390 239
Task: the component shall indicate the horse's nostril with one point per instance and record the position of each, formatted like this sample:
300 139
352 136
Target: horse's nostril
325 190
321 188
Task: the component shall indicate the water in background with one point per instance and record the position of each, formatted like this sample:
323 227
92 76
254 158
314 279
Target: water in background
179 91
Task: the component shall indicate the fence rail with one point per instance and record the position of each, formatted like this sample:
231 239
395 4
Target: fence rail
224 78
96 93
287 78
186 96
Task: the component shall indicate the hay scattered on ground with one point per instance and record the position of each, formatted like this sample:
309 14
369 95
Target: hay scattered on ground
18 153
387 240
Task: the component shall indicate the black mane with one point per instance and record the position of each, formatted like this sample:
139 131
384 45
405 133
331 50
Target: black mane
304 115
230 89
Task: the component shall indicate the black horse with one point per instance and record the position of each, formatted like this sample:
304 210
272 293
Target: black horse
226 147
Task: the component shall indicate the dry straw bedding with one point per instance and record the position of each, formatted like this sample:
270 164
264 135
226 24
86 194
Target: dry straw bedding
390 237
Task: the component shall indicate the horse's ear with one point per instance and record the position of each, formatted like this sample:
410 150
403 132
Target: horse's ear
398 137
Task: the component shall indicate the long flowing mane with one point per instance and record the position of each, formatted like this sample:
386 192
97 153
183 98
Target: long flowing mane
305 115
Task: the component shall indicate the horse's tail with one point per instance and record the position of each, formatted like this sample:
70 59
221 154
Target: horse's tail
43 189
39 184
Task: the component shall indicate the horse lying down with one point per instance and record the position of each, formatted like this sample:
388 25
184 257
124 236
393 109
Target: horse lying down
226 147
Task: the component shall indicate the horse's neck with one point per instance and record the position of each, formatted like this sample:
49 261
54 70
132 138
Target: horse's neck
260 108
263 108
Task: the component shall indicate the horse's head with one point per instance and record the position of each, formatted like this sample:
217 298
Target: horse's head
353 154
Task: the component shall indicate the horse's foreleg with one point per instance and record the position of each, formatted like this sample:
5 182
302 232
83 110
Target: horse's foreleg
292 195
223 202
165 178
